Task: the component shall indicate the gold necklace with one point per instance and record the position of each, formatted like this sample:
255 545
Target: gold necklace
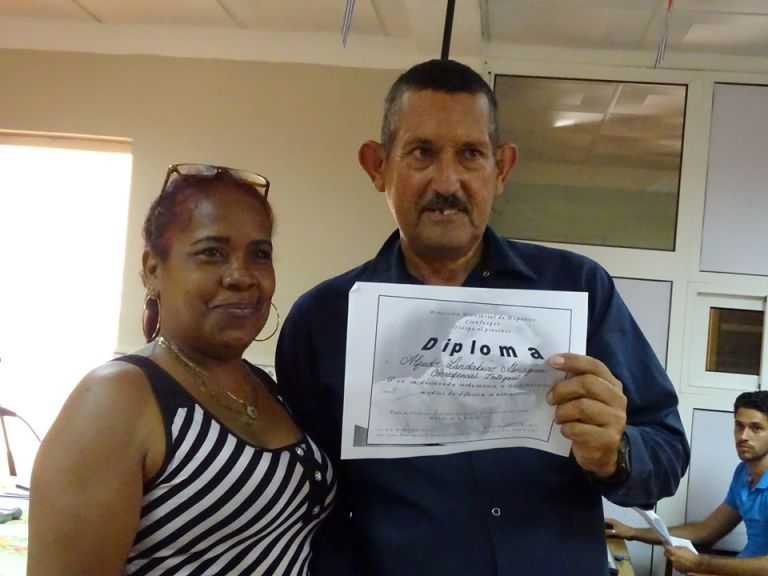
201 376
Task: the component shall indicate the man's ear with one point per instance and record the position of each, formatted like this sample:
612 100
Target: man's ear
372 158
506 157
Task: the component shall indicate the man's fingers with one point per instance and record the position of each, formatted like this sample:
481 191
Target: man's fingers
589 411
576 364
585 386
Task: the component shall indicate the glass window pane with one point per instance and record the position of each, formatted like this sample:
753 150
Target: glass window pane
599 161
63 214
735 341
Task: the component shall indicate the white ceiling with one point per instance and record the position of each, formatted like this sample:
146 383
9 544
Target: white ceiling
719 27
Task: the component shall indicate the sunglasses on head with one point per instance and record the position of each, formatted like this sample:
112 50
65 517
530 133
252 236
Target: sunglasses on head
257 181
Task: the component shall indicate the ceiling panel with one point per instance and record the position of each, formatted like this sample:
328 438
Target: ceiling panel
427 22
392 16
719 33
613 25
62 9
727 6
304 15
566 4
167 12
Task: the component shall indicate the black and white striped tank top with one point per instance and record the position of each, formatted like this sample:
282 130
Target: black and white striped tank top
221 506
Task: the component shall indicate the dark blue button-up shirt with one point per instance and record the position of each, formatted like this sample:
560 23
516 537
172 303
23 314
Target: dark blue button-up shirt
500 512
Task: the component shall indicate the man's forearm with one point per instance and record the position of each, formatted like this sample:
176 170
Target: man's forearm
644 535
692 532
728 566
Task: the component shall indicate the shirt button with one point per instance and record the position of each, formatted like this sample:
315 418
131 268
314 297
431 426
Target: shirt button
318 475
496 511
486 274
299 450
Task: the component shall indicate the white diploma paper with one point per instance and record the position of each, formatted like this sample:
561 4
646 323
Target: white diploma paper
440 370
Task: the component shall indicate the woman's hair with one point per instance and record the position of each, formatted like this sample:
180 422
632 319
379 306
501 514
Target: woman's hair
174 206
172 209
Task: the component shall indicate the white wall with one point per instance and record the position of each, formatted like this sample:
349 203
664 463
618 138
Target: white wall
300 125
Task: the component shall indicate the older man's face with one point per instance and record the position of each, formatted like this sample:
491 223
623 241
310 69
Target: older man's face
442 173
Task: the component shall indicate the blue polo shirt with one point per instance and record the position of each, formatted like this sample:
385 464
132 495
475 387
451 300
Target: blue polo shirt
500 512
752 505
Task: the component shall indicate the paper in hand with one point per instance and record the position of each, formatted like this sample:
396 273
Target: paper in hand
658 526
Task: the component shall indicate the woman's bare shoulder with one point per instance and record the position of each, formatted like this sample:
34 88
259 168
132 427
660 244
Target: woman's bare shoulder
115 392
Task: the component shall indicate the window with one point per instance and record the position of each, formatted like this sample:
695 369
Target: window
725 338
599 161
63 212
734 340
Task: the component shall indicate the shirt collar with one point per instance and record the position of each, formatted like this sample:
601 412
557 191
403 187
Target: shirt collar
763 483
499 255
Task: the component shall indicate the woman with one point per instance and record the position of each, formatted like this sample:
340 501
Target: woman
182 458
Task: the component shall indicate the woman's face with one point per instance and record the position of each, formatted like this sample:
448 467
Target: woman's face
216 285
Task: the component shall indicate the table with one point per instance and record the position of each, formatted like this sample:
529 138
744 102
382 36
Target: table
13 539
618 547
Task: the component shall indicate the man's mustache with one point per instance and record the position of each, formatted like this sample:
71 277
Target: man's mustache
440 203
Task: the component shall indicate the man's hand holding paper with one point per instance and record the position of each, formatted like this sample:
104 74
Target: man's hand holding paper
683 558
591 411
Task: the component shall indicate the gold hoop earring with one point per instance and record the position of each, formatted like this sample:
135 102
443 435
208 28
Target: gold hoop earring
150 316
277 325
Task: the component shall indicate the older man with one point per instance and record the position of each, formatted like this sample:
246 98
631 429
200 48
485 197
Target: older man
513 511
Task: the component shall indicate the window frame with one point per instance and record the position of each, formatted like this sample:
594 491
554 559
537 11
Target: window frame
702 297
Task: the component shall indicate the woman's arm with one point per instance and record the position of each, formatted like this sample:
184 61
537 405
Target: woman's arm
87 481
